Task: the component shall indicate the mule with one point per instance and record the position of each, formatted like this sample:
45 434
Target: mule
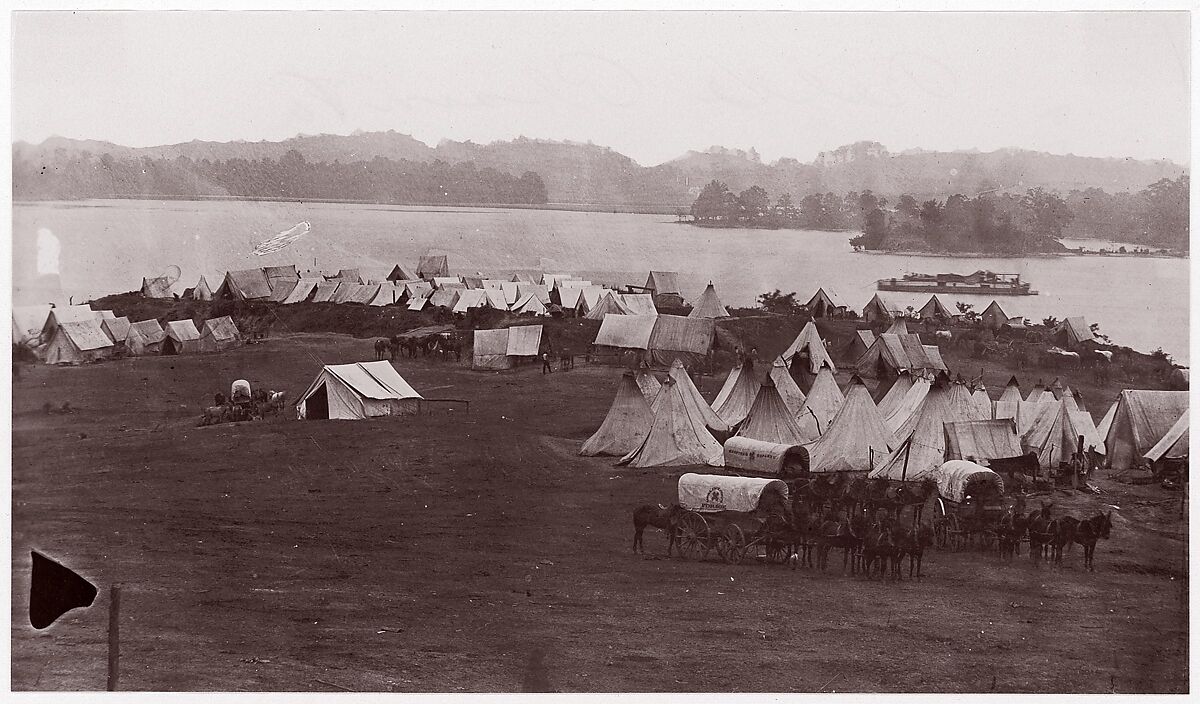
665 518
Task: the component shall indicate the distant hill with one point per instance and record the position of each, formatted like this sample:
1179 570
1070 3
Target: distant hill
587 174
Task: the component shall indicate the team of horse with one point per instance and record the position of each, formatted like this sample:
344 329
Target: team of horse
262 403
874 539
437 344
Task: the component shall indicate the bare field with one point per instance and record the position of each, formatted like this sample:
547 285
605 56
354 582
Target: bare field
437 553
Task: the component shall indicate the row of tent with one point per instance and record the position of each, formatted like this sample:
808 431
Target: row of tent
827 303
432 286
77 334
918 423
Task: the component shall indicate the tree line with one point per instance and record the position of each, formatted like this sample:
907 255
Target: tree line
1001 223
379 180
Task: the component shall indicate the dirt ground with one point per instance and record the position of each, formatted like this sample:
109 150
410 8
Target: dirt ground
474 551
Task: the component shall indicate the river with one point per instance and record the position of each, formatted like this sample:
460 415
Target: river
107 246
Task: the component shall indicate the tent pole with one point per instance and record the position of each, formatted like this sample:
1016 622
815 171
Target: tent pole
114 636
907 451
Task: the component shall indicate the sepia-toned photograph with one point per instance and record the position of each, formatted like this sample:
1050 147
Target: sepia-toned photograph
767 351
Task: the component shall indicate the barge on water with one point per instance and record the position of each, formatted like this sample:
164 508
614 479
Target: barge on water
981 282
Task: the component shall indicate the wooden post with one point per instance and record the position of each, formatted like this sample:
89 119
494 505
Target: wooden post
114 636
907 450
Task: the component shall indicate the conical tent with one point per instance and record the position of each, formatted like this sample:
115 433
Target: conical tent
691 395
895 394
923 447
769 419
907 407
791 394
1056 388
898 327
1040 393
677 435
962 406
1068 397
649 384
1012 392
808 346
736 397
625 426
1078 400
709 305
857 438
822 403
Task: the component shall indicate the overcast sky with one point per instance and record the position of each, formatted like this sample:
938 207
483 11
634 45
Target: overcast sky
650 85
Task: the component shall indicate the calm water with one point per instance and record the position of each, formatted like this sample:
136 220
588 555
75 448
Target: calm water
107 246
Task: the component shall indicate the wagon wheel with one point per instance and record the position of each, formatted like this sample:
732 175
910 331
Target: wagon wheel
693 536
731 544
954 532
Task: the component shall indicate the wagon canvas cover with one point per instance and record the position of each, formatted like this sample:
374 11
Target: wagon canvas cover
710 493
952 478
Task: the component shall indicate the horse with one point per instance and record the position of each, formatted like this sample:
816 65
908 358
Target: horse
1086 533
665 518
1041 530
214 414
1011 528
879 548
842 532
383 349
1063 534
451 344
912 542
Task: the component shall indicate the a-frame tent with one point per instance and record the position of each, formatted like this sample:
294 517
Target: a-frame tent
881 309
934 309
399 273
117 329
219 334
145 337
625 426
857 440
1174 444
677 436
1142 419
357 391
78 342
825 303
606 305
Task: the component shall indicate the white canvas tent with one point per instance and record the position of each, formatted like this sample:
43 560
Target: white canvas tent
691 395
67 314
145 337
895 394
357 391
821 405
649 384
737 395
770 420
28 322
922 447
117 329
303 290
791 394
77 342
677 436
808 347
490 350
182 337
626 424
1174 444
1141 420
219 334
709 305
856 440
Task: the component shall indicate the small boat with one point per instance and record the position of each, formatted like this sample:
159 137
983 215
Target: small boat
981 282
